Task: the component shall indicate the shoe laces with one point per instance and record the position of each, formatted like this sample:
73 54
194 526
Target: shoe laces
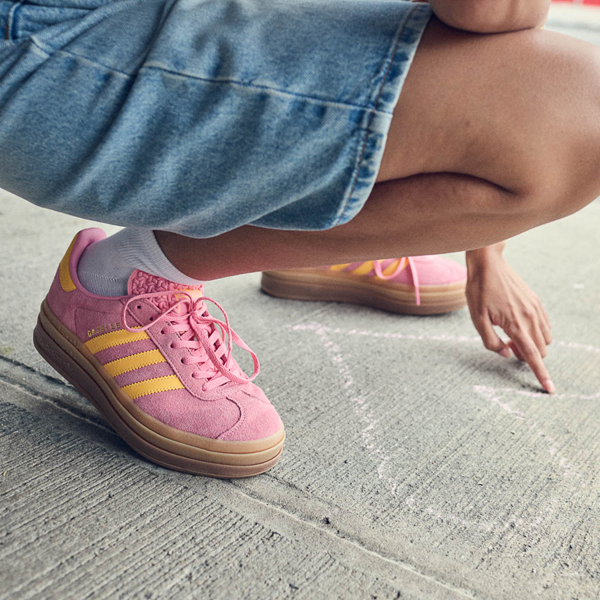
402 263
202 334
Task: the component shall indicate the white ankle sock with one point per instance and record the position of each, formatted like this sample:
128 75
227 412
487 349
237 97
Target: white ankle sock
105 267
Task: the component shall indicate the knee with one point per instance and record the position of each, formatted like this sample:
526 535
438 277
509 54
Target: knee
563 167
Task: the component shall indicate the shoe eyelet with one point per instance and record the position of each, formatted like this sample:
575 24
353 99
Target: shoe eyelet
182 362
151 318
139 307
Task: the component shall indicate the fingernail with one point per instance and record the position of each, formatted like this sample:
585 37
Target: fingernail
505 352
549 386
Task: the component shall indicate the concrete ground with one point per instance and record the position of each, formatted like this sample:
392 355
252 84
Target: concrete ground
417 465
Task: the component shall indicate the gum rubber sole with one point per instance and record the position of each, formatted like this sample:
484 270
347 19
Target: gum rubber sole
149 437
317 284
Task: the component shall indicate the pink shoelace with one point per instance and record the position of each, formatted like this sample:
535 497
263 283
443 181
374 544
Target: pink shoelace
203 335
377 266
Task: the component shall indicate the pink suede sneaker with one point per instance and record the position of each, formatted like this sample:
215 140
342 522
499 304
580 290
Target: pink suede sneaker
422 285
158 368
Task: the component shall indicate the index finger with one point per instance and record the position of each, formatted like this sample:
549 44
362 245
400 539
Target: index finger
531 355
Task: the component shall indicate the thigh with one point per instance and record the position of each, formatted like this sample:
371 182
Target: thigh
520 110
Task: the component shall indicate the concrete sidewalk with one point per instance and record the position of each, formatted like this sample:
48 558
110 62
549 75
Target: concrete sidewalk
417 465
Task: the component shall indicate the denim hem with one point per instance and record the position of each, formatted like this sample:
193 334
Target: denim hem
395 71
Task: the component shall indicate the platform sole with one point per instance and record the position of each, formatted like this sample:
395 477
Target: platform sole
317 284
149 437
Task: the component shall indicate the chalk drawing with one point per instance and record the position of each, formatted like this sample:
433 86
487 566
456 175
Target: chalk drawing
500 397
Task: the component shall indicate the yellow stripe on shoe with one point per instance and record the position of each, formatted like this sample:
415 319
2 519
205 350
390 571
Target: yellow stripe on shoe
167 383
338 267
115 338
135 361
394 265
64 271
364 269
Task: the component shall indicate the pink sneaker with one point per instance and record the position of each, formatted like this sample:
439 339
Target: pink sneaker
156 365
423 285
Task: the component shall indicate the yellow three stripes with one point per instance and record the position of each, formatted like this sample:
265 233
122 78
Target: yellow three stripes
133 362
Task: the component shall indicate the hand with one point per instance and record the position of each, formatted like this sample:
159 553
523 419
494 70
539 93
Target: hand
498 296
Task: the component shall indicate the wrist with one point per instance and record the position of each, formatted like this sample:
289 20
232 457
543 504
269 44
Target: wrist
483 256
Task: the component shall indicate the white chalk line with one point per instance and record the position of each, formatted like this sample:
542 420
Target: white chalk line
361 407
538 395
422 337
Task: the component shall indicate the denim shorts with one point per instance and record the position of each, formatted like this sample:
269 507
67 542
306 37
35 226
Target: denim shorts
199 116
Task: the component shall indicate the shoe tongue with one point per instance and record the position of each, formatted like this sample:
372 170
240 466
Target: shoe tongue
141 282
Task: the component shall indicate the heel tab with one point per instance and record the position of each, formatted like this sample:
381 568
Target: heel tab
64 273
67 269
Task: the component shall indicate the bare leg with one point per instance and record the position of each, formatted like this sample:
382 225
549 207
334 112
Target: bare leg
384 228
493 135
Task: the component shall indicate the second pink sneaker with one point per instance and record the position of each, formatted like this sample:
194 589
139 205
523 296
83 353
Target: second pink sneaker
160 369
422 285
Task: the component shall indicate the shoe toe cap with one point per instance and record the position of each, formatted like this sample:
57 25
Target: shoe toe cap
258 420
182 411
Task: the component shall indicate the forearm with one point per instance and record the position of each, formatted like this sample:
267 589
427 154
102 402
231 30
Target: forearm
491 16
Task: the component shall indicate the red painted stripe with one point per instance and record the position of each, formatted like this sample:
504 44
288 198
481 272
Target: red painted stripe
590 2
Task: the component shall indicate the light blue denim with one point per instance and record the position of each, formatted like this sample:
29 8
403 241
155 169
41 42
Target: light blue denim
199 116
